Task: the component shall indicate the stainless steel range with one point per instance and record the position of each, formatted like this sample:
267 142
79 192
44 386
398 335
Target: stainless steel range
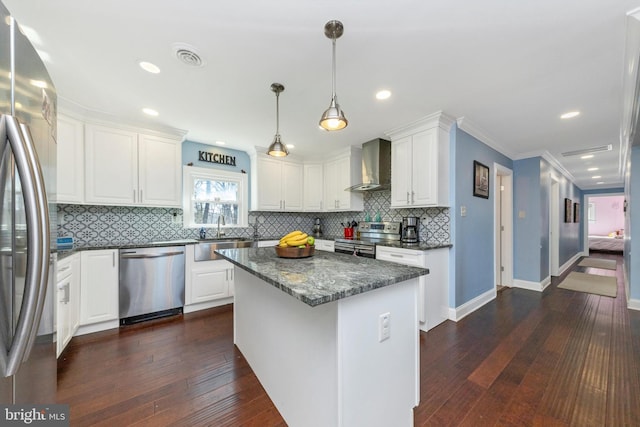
368 234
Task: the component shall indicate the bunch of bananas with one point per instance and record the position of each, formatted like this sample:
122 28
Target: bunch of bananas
294 239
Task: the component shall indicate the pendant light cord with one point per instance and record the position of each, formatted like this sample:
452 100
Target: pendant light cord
278 113
333 93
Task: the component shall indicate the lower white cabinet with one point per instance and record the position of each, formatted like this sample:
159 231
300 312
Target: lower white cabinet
433 290
98 290
68 300
325 245
207 283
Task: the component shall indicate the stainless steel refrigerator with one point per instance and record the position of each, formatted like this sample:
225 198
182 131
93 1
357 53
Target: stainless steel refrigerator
27 208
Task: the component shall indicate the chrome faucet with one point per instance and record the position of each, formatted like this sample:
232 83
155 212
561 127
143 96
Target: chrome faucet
220 233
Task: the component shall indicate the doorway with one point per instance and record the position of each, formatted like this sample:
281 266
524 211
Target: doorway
503 227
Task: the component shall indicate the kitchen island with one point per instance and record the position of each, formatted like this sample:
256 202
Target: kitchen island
313 331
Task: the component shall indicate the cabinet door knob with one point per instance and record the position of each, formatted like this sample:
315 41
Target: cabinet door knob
407 197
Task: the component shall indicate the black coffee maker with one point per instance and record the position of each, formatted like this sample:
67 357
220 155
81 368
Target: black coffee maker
410 229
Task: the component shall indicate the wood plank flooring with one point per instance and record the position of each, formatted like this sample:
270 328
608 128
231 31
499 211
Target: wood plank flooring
558 358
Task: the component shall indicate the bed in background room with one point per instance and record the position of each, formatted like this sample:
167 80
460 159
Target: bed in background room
611 243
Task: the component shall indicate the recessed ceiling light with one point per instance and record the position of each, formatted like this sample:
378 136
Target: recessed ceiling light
592 169
383 94
220 143
570 115
149 67
596 177
600 182
588 156
150 111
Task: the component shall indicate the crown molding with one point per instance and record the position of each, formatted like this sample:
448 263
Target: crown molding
437 119
79 112
480 134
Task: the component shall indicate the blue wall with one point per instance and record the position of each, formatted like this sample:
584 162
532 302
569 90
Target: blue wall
472 255
190 151
532 198
527 221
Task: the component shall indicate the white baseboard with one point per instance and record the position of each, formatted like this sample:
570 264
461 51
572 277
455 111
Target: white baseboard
469 307
633 304
97 327
568 264
541 286
531 286
204 305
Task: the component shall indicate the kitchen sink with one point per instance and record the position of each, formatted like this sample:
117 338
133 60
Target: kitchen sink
205 249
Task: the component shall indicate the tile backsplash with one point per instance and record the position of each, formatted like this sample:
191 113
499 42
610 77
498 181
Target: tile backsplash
123 225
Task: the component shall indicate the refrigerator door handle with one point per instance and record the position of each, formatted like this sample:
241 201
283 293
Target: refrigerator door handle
37 219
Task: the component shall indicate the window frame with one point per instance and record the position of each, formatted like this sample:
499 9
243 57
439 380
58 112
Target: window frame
191 173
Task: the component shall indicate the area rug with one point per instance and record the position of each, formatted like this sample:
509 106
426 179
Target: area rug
590 283
608 264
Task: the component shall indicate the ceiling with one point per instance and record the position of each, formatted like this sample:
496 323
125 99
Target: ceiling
508 69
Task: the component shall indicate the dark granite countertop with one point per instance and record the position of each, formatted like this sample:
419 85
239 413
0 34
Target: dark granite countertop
325 277
420 246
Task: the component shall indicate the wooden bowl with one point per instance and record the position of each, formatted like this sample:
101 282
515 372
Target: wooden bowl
295 252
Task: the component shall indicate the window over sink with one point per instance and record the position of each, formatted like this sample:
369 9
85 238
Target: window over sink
209 194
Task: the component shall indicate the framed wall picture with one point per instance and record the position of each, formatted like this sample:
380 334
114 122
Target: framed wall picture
480 180
576 212
568 210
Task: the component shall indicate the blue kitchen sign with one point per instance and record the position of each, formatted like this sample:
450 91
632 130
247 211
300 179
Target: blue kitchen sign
221 159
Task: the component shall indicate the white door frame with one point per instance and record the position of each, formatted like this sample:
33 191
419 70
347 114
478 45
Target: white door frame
506 208
585 217
554 228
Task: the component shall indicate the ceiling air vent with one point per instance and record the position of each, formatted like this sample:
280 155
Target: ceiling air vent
608 147
188 54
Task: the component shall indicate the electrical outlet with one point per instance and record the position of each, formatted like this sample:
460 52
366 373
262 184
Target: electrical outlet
384 326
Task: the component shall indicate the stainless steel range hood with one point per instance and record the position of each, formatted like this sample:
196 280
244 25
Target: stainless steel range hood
376 166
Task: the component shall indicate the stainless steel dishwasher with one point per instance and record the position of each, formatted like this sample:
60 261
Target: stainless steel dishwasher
151 283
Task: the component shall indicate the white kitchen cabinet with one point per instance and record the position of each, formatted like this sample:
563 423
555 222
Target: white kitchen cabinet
420 163
159 172
207 283
68 300
123 167
340 173
313 194
325 245
70 166
277 185
98 290
433 289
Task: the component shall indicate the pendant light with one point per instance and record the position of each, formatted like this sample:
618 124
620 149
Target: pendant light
333 118
277 148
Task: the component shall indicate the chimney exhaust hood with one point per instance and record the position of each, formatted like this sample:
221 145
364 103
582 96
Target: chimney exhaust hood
376 166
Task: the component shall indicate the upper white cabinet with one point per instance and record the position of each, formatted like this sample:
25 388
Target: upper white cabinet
277 185
420 163
70 168
313 194
340 173
111 166
123 167
159 172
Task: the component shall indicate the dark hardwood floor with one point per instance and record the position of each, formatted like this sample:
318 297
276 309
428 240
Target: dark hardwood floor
558 358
